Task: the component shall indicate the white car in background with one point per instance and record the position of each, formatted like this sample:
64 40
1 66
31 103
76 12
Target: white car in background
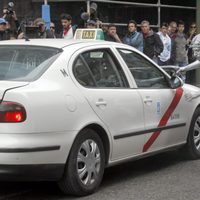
71 108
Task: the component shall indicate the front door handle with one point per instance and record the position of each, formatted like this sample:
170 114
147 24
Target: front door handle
148 100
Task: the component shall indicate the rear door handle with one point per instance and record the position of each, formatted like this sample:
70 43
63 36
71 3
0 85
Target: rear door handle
99 103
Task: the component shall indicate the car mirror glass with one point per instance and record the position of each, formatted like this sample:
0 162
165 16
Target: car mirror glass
176 82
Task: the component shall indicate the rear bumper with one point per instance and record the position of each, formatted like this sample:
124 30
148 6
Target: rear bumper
44 172
35 149
34 156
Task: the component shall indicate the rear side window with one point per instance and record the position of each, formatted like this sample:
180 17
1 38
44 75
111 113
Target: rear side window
25 63
98 68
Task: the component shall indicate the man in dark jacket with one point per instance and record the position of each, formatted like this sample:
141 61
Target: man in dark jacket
4 34
111 34
153 45
42 31
38 30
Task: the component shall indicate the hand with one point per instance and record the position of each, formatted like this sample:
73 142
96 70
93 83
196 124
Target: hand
99 23
20 36
5 12
116 37
14 16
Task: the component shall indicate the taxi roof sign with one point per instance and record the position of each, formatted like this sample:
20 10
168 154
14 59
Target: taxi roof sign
89 34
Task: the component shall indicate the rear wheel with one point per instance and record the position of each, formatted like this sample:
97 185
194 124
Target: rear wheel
85 166
193 141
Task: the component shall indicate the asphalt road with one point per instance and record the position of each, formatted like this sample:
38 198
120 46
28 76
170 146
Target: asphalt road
162 177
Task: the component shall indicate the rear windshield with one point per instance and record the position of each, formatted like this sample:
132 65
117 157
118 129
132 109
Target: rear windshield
25 63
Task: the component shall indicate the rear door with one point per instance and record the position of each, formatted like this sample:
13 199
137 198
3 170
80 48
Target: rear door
104 84
164 110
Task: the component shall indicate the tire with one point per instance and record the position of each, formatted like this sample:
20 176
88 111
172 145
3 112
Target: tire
84 168
193 141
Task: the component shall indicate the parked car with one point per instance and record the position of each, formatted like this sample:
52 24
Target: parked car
69 109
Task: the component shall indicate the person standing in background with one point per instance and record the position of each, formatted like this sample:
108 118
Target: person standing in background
172 31
4 35
180 46
43 32
153 45
190 75
111 34
164 57
52 29
67 32
189 36
133 38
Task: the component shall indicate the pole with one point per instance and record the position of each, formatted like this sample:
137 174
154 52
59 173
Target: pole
88 7
159 10
197 74
46 14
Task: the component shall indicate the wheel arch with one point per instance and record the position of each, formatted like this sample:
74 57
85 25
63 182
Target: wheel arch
198 106
102 133
190 151
190 121
194 109
104 137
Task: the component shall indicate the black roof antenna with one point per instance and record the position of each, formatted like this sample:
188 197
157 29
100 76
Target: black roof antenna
22 27
25 35
26 38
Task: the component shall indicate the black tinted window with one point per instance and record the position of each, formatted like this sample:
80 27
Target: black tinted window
98 68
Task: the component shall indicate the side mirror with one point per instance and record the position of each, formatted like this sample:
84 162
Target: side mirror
175 82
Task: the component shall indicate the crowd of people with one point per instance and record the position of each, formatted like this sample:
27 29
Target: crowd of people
168 46
11 28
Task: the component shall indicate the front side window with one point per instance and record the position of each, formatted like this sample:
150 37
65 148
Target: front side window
145 74
25 63
98 68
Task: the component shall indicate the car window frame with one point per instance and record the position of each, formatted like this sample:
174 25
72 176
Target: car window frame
166 76
114 60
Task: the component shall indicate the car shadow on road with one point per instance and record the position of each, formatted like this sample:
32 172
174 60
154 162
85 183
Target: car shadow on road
141 167
113 176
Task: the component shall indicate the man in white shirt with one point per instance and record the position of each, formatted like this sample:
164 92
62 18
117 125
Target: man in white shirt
164 57
67 32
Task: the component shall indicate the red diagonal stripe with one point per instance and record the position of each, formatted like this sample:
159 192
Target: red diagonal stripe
165 118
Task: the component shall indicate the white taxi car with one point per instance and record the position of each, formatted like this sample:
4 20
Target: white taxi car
69 109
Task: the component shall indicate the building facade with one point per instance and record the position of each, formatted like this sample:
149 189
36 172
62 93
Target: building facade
111 11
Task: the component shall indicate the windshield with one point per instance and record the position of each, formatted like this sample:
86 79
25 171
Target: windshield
25 63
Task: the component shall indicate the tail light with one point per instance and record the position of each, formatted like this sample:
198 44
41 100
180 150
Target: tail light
11 112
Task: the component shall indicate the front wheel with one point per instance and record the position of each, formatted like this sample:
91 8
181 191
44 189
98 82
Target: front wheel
193 142
85 165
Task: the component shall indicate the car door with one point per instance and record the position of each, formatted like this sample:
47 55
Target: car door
165 116
104 84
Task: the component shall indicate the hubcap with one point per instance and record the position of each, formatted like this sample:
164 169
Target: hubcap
197 134
88 162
